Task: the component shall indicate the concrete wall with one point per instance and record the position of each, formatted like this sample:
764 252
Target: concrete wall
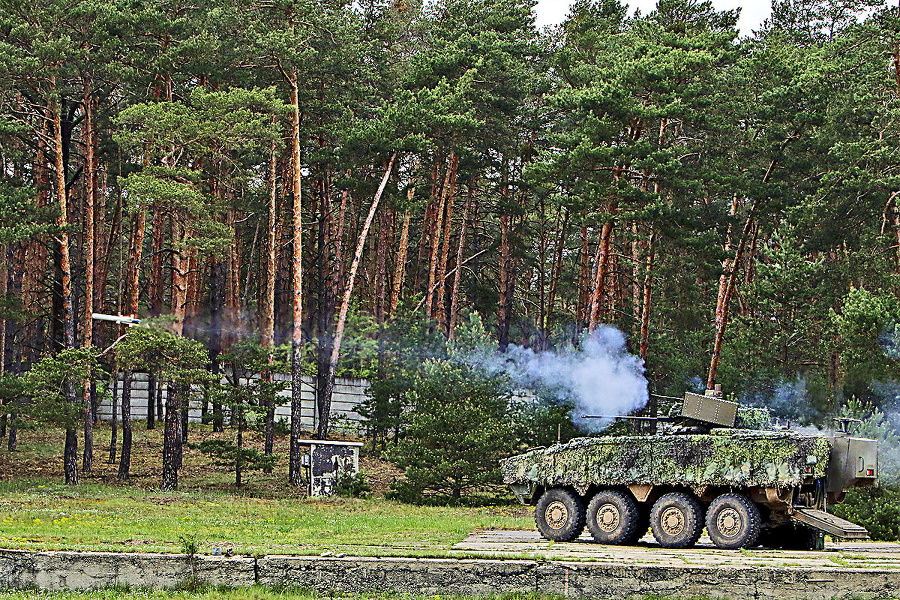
348 394
87 570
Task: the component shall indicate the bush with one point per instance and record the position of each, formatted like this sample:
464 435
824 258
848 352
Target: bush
459 430
352 485
876 509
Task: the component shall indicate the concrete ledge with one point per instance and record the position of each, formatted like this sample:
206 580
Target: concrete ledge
412 575
424 576
90 570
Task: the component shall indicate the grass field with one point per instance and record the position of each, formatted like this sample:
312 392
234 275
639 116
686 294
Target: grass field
266 516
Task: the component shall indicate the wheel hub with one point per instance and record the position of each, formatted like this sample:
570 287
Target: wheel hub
729 522
556 515
672 520
608 518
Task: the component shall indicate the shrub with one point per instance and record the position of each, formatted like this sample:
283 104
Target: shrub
876 509
459 429
352 485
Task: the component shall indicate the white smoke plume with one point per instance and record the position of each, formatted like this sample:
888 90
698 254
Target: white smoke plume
599 378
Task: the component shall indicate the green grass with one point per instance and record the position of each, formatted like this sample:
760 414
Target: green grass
43 515
264 516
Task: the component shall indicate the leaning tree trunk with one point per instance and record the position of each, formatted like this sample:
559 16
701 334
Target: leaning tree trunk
725 295
324 402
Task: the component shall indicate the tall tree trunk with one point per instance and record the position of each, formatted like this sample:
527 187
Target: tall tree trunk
327 285
114 428
428 223
648 290
4 289
440 312
151 401
70 453
556 273
87 460
155 287
295 470
725 300
171 438
136 252
400 266
460 249
268 305
504 308
179 276
132 289
584 283
217 304
177 399
125 457
602 265
325 401
434 255
382 299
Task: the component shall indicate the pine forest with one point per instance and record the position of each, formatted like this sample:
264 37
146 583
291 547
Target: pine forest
331 188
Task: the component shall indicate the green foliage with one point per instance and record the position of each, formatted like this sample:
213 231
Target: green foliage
51 383
351 485
246 397
459 429
20 218
190 544
233 458
875 508
873 423
867 325
157 350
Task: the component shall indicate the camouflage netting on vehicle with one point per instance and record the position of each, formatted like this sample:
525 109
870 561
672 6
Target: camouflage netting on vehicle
725 457
753 418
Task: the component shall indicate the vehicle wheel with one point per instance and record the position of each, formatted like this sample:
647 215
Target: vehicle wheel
643 524
612 517
733 522
559 515
676 520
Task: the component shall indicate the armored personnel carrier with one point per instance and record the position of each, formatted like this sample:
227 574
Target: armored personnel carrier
710 465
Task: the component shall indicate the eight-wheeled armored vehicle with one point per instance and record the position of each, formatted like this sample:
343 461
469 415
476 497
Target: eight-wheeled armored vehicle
713 465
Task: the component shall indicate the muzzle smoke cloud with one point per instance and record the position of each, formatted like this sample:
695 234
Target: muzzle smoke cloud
599 378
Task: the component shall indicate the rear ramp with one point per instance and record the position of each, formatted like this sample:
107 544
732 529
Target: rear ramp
830 524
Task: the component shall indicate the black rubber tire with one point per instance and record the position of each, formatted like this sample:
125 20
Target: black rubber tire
612 517
643 524
676 520
560 515
733 521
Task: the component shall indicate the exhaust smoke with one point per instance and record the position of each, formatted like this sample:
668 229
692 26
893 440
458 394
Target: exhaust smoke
598 378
